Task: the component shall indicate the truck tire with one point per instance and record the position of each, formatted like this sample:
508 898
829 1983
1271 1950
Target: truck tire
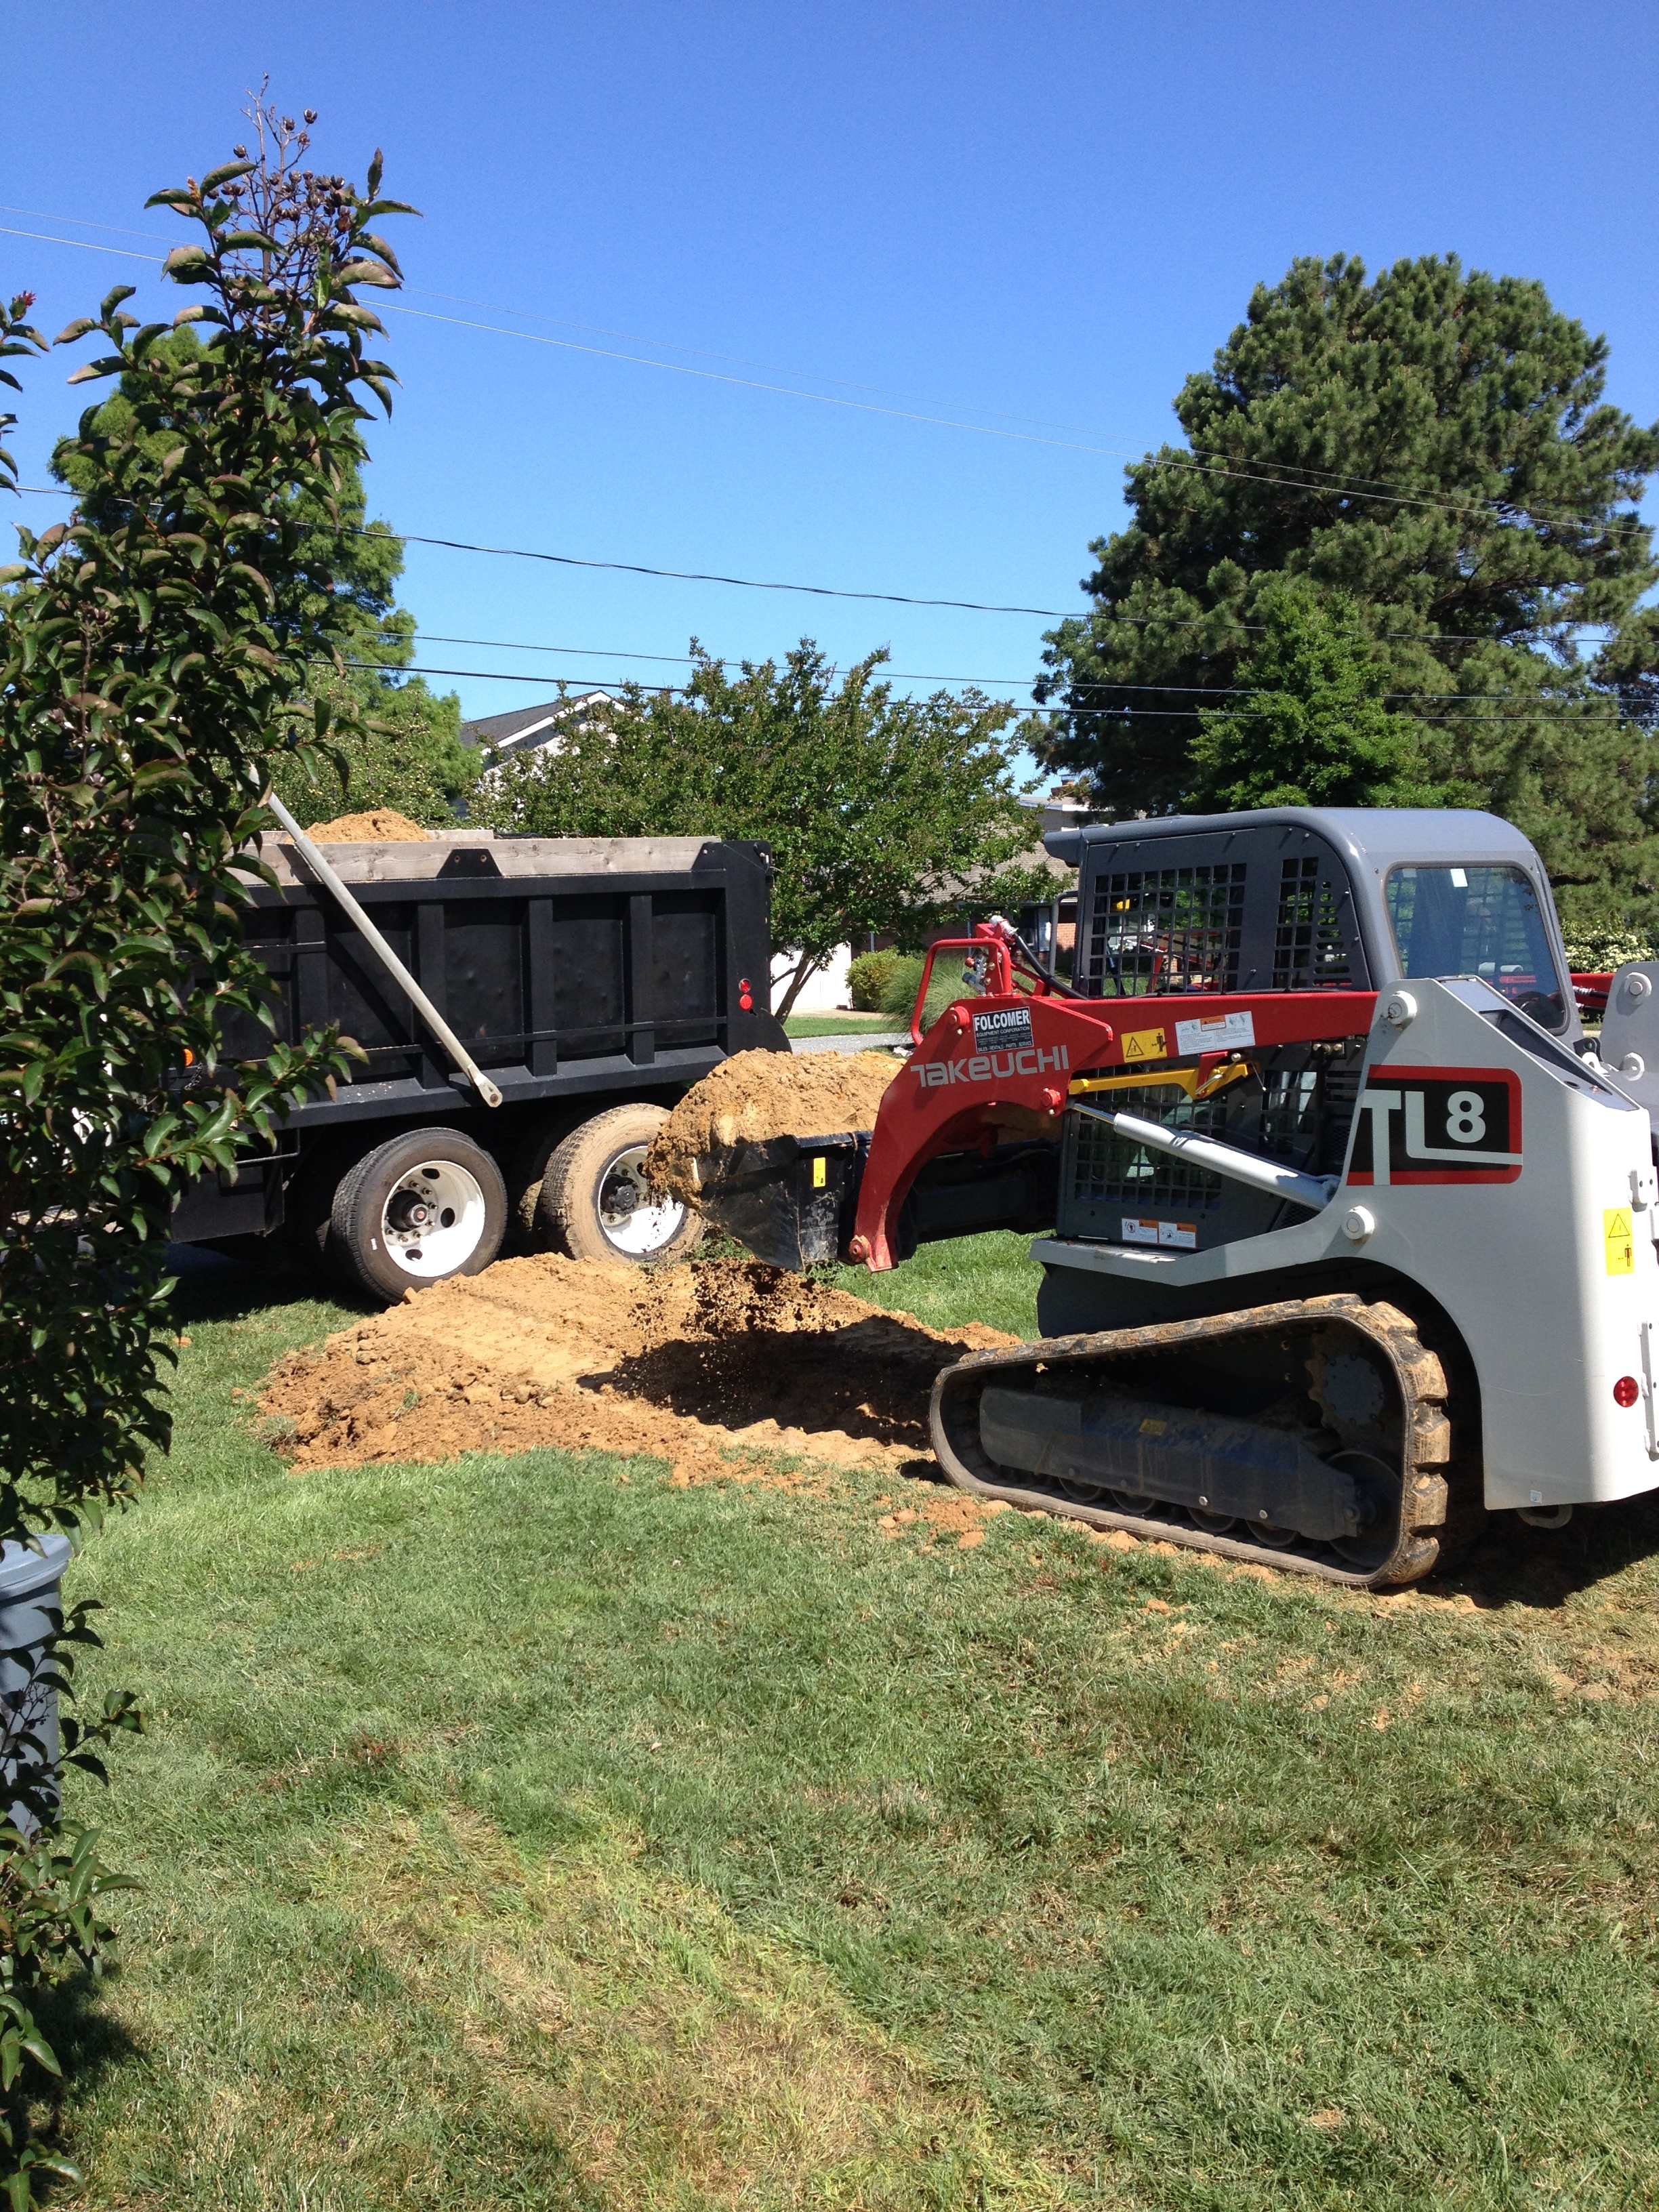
425 1206
594 1203
525 1173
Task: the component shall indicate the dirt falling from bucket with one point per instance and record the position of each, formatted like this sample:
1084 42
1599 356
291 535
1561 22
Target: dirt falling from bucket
691 1364
756 1096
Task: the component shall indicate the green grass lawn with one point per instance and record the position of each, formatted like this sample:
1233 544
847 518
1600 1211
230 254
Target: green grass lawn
811 1025
530 1832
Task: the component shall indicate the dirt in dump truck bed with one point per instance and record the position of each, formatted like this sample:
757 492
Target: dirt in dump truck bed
686 1364
755 1095
384 825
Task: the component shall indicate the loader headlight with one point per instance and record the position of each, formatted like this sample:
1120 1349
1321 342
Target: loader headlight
1627 1390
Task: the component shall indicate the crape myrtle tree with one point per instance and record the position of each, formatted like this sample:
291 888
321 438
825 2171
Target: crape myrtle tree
402 747
154 652
1433 445
884 814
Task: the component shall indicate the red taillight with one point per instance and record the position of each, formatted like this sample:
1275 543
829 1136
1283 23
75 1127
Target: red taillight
1627 1390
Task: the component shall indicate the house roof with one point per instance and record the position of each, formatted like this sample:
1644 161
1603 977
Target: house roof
526 728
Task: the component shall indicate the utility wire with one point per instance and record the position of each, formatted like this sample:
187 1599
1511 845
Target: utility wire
1200 461
923 676
1118 714
886 599
1182 464
1092 616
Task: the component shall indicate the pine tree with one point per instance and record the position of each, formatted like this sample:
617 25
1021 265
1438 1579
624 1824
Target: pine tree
1434 445
1311 725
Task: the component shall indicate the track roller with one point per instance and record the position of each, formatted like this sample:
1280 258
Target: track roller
1311 1436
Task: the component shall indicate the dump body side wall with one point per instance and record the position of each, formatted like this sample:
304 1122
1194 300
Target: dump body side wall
603 981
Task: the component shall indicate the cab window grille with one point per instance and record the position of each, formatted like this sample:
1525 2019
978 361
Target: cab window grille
1310 953
1167 930
1110 1168
1289 1126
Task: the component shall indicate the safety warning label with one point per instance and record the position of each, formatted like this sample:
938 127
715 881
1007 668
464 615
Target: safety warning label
1173 1235
1619 1240
1144 1044
1217 1033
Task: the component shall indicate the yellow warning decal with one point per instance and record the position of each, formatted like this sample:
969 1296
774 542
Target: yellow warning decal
1619 1242
1144 1044
820 1171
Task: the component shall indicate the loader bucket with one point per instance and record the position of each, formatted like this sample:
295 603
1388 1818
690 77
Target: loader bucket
790 1201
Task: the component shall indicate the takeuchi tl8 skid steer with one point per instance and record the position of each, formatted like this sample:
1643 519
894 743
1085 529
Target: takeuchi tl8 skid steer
1350 1228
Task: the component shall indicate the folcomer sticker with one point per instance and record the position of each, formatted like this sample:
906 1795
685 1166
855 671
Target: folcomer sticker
1002 1028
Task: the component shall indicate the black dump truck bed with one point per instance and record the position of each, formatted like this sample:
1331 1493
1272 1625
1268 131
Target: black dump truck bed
585 975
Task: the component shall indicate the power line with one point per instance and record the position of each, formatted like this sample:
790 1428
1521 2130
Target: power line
893 598
600 330
741 583
1117 714
1200 460
922 676
1093 617
1182 464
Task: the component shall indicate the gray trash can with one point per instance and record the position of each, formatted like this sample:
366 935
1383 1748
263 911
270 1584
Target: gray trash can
29 1585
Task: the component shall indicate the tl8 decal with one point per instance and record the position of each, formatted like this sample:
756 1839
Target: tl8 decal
1438 1125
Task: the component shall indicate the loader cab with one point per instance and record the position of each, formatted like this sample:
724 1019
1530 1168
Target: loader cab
1308 899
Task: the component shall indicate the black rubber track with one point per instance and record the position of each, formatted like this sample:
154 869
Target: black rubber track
1418 1428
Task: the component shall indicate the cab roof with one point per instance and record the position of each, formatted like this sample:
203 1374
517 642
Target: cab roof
1379 837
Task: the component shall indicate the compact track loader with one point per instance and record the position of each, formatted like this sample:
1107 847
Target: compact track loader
1348 1228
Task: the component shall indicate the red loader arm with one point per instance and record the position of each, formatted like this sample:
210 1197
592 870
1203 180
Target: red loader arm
1007 1065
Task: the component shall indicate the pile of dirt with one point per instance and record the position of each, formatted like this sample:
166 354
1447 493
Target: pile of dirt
686 1364
755 1095
384 825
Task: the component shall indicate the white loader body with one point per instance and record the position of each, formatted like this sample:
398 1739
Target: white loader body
1513 1182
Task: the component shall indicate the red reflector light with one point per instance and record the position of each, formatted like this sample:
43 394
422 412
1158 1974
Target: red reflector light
1627 1390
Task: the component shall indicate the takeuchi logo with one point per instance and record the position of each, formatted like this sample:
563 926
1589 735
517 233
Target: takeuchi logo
991 1066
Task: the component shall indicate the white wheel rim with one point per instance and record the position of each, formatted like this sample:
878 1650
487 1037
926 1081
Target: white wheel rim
433 1220
634 1221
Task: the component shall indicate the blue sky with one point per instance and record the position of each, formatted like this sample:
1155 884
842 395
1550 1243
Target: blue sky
1029 221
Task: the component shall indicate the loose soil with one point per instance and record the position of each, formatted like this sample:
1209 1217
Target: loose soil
756 1096
733 1371
381 826
706 1366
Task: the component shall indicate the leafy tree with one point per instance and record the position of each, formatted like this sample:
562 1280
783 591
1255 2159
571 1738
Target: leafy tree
1309 726
1434 445
876 808
403 749
154 657
405 752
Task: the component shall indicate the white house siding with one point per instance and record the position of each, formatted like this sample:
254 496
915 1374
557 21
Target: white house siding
823 993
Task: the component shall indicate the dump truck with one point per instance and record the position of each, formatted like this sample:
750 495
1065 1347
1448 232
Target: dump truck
527 1010
1347 1228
